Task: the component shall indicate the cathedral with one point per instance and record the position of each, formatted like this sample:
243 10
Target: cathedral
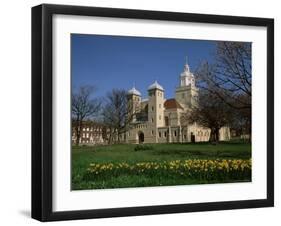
159 120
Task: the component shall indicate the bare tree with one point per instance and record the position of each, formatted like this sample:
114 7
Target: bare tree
229 77
209 112
117 113
84 107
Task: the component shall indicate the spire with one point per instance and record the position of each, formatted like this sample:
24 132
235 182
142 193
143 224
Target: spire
186 66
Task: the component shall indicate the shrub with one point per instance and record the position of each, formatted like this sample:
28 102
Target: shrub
143 147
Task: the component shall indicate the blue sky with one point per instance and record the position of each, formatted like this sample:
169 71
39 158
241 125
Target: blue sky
108 62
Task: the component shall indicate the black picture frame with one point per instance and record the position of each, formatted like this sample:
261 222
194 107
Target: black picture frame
42 111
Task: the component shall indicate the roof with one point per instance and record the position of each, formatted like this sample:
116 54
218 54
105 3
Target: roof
172 104
134 91
155 85
144 100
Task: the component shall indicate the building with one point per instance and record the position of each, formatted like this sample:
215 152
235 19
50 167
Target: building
159 120
155 119
91 133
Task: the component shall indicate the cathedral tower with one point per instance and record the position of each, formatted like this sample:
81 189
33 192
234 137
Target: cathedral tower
187 92
134 102
155 107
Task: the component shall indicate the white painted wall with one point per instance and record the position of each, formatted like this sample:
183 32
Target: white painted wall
15 111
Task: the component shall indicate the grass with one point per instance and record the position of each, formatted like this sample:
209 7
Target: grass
83 156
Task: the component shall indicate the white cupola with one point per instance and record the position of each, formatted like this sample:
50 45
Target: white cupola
134 91
155 85
186 77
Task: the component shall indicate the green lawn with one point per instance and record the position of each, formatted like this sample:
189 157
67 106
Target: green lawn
83 156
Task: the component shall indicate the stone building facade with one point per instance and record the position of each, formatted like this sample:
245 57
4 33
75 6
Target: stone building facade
159 120
155 119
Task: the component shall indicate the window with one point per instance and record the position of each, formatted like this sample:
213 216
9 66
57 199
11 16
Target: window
165 134
151 119
152 108
87 128
166 121
87 135
159 134
152 132
175 133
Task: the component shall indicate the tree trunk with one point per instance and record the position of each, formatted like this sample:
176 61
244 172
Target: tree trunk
80 125
78 132
118 136
212 138
215 135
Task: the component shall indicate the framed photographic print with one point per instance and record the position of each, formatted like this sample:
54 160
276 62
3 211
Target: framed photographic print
145 112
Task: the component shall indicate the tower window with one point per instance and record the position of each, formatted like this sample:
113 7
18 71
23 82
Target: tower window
166 121
159 134
165 134
175 133
151 119
152 132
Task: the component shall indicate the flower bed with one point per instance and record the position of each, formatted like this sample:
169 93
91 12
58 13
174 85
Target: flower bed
218 170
